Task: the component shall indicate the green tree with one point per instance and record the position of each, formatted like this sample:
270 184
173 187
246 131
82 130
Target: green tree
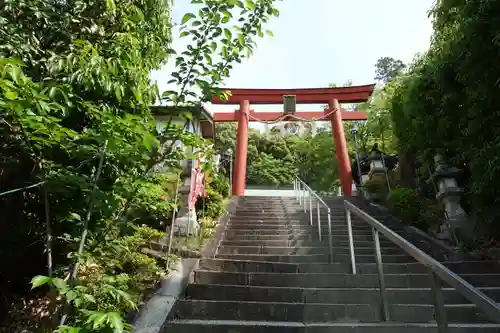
274 159
447 103
76 115
387 68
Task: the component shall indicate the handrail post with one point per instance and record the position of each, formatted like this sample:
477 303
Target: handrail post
299 193
439 309
310 208
319 218
330 241
305 201
351 240
296 189
380 271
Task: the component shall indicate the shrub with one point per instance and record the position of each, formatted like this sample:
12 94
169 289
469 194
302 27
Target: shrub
376 188
409 205
151 205
212 206
221 184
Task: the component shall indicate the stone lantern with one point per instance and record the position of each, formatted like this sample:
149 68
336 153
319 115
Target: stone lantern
377 174
377 167
449 194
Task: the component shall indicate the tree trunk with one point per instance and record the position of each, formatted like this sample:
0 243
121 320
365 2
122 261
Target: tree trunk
407 173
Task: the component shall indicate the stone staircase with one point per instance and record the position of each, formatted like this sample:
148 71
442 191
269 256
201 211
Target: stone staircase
272 274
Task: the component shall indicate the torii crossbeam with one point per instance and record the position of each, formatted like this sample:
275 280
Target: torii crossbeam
331 96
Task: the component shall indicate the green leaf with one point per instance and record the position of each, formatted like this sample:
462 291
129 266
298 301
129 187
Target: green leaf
39 280
241 39
116 321
15 73
269 33
213 46
71 295
110 6
10 94
118 93
250 4
227 13
187 17
208 59
60 284
228 34
75 216
97 319
184 34
89 298
167 93
53 92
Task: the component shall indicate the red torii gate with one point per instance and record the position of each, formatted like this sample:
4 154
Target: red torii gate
332 96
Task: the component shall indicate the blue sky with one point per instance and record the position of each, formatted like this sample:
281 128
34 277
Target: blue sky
318 42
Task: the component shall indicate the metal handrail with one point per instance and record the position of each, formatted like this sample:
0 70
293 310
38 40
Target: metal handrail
300 189
437 271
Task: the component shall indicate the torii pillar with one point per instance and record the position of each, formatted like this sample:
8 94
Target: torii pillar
240 163
344 164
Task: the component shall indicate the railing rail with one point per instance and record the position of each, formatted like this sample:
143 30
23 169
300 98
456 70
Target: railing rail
437 271
304 195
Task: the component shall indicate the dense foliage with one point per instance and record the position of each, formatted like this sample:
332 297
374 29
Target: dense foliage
411 206
448 101
80 142
212 205
275 159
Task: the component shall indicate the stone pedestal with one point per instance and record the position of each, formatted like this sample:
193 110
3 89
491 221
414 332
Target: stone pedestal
378 173
186 221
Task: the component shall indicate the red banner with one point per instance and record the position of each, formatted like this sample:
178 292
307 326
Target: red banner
197 184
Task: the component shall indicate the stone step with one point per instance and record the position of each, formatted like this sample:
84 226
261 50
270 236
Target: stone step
317 258
301 215
237 236
325 295
267 205
244 211
237 326
459 267
290 229
306 243
266 220
292 217
284 223
225 249
296 227
298 216
325 280
308 313
304 235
